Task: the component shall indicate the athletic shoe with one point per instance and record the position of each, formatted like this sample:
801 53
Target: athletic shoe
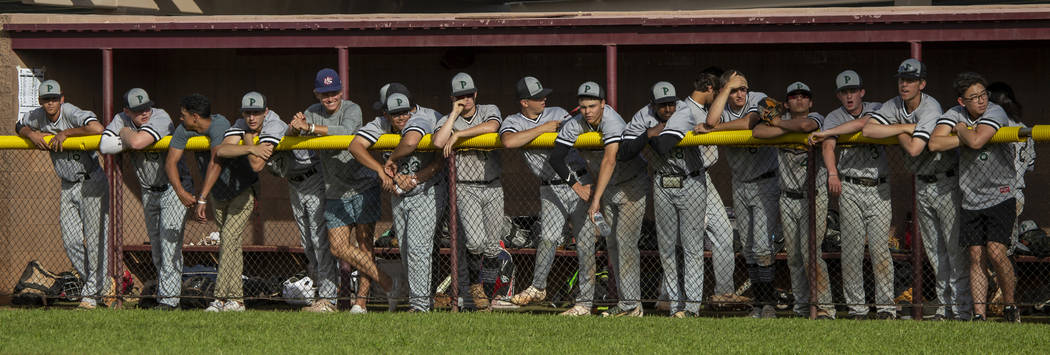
756 312
684 314
391 295
769 312
530 295
824 315
417 310
87 304
620 312
886 315
977 318
233 306
577 311
320 306
1012 314
481 300
938 317
357 309
215 306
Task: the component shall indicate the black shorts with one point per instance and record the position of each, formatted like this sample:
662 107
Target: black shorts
992 224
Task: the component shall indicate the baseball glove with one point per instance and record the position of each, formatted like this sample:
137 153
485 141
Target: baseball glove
769 109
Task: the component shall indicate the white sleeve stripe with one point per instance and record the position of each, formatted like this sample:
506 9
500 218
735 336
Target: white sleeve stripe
491 118
507 130
564 141
89 119
990 123
921 134
152 132
946 121
367 136
880 118
270 139
672 132
233 133
613 139
629 137
753 109
109 133
417 129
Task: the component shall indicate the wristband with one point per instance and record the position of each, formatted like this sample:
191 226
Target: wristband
571 181
312 128
202 202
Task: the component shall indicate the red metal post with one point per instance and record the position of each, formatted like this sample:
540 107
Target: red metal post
113 175
344 70
453 231
811 220
610 75
917 253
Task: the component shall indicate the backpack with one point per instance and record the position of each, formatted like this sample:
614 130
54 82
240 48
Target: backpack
37 285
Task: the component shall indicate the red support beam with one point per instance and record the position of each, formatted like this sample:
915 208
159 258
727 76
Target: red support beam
610 75
344 70
113 176
916 50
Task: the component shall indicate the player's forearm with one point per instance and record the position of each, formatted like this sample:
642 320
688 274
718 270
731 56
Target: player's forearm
557 160
852 126
943 143
431 169
256 163
717 106
911 145
490 126
406 146
605 173
828 152
441 137
519 139
767 131
88 130
976 138
359 149
172 169
799 125
630 148
877 130
232 150
26 131
136 140
210 178
740 124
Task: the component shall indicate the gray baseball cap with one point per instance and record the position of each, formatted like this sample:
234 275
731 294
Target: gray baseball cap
397 103
663 92
531 88
911 68
591 89
799 86
137 100
253 101
388 89
848 80
463 84
49 89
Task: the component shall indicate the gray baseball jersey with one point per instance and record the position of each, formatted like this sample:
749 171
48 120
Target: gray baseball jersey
748 163
925 119
699 112
70 165
476 165
149 166
1025 157
611 127
237 174
537 159
422 121
987 175
793 170
281 163
343 176
860 161
680 160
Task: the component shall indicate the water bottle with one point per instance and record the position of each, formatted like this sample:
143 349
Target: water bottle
603 228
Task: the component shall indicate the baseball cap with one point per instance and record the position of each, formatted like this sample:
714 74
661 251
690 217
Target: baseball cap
663 92
911 68
591 89
137 100
847 80
463 84
398 103
49 89
253 101
799 86
530 88
327 80
388 89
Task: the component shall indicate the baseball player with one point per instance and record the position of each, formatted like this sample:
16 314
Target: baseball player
911 117
755 192
864 203
84 203
414 183
138 126
351 192
794 201
987 175
1003 95
479 193
678 192
558 200
229 187
622 208
305 187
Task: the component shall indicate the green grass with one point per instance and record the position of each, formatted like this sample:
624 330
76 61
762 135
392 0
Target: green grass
141 331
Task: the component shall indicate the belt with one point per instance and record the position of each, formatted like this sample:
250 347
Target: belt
864 181
302 177
556 181
160 188
477 182
84 176
768 174
692 174
794 195
929 179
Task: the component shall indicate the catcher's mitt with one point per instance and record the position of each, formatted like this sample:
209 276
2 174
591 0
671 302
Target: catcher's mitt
769 109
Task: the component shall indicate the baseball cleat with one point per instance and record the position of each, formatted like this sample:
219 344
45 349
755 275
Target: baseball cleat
577 310
357 309
620 312
769 312
530 295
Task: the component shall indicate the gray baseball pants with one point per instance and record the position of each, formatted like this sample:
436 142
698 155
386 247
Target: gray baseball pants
938 205
679 221
83 213
865 216
165 216
624 208
415 221
480 210
720 233
794 219
307 199
559 203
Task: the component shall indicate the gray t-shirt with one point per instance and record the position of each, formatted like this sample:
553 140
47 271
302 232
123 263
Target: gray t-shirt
285 163
70 165
987 175
925 118
476 165
793 162
344 177
538 159
748 163
422 121
236 175
861 160
680 160
611 128
149 165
